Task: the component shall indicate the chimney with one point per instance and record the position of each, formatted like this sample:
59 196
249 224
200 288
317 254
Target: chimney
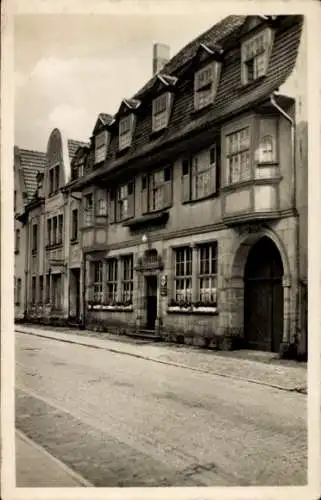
160 56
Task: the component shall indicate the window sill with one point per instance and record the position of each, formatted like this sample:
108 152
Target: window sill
251 182
122 151
193 310
54 246
105 307
197 112
33 252
250 85
157 133
267 163
207 197
161 216
74 241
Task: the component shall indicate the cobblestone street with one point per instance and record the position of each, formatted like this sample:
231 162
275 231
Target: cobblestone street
122 420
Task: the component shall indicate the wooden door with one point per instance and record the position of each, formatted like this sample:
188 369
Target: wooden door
263 297
151 301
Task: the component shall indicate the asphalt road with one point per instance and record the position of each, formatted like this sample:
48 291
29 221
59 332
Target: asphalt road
122 421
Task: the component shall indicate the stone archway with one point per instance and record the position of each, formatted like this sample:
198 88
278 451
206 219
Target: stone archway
263 297
248 262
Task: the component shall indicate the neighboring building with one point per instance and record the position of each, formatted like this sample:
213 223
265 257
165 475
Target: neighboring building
207 207
47 267
27 166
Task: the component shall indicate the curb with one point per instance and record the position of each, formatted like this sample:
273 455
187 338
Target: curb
74 475
299 390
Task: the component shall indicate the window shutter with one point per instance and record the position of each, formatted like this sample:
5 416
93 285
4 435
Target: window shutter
111 207
185 181
167 194
213 170
144 195
131 205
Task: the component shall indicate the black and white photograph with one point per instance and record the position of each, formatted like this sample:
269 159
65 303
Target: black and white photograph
160 177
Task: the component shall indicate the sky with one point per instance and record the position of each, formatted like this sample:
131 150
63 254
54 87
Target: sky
71 67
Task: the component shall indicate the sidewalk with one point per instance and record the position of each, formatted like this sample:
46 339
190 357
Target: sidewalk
35 467
281 375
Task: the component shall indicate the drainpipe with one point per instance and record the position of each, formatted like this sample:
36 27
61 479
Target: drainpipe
293 199
26 268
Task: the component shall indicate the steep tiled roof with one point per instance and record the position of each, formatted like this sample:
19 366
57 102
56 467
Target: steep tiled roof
230 98
31 163
215 35
73 147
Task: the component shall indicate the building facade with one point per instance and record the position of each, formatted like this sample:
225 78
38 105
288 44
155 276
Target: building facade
49 259
193 209
185 216
27 166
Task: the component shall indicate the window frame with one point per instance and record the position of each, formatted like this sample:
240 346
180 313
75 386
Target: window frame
111 280
101 147
256 59
211 275
88 209
160 117
239 152
126 199
127 281
97 284
184 278
125 134
74 224
208 87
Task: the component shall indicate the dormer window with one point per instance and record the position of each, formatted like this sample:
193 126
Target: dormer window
161 111
205 85
101 140
125 131
256 53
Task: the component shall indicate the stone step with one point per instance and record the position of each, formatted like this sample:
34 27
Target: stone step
145 334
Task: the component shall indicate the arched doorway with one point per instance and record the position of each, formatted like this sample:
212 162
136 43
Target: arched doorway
263 297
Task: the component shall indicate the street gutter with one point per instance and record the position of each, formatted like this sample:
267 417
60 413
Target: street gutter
299 390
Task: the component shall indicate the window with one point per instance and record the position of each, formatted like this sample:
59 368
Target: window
161 110
74 225
49 235
34 238
88 210
266 150
183 275
125 131
127 281
54 179
98 282
54 229
112 276
17 241
40 290
60 228
200 175
101 146
15 200
207 277
205 83
33 289
102 207
238 166
255 56
157 190
125 201
78 169
204 175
